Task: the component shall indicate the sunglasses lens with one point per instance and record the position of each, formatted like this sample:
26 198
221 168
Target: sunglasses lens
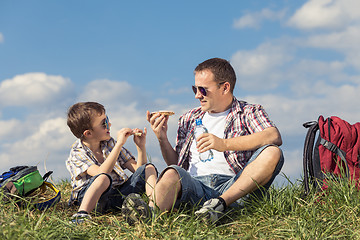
106 123
194 89
202 91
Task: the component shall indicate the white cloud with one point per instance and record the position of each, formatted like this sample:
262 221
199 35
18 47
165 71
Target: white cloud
254 20
345 41
48 144
10 128
292 166
1 38
252 66
340 40
326 14
34 89
105 91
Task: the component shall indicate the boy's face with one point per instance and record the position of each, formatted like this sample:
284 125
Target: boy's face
101 128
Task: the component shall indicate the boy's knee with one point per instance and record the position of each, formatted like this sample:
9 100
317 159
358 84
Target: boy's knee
150 168
104 180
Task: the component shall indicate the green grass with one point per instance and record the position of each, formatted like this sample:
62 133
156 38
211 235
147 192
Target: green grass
284 214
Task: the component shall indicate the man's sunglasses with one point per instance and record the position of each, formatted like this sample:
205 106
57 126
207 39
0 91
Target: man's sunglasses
105 124
202 90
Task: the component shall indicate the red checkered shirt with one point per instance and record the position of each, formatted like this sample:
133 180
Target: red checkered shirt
243 119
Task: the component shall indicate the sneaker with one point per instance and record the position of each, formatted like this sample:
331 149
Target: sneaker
134 209
212 210
79 218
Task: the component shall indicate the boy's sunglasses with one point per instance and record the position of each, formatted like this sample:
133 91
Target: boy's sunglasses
105 124
202 90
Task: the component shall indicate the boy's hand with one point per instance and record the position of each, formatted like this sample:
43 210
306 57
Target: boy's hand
139 137
123 135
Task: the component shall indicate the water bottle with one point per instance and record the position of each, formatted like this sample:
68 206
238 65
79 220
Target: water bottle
200 129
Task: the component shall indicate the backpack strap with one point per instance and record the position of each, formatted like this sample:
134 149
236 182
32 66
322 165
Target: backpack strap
308 152
335 149
47 175
332 147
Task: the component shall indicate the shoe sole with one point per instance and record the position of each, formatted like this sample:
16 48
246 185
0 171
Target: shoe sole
135 209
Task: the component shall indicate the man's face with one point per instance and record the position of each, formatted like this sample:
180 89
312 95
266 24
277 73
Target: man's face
210 102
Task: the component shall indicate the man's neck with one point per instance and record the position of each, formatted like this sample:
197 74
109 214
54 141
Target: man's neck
227 103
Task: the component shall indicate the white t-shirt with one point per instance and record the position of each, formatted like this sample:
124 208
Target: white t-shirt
215 124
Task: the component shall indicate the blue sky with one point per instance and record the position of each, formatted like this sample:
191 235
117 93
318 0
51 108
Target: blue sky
299 59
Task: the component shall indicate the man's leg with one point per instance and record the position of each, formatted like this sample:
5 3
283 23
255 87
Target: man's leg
163 195
150 178
264 165
256 174
166 190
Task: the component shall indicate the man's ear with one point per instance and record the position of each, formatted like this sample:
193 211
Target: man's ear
226 87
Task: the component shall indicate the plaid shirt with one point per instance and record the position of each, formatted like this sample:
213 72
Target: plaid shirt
81 158
243 119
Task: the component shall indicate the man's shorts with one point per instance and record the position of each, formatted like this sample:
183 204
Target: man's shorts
113 198
197 190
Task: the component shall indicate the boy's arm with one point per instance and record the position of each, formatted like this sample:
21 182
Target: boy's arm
108 165
140 141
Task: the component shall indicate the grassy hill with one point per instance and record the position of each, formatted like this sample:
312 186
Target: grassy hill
283 214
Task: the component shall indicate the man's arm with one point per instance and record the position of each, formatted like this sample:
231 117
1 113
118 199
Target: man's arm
253 141
168 153
158 124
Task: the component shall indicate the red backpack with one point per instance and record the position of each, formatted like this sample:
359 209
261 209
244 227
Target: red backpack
336 151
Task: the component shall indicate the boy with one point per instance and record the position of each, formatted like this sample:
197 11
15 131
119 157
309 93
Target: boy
97 162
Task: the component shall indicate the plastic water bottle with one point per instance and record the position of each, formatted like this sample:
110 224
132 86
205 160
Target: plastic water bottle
200 129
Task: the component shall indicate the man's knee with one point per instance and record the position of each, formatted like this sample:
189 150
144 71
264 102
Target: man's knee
169 176
272 162
271 155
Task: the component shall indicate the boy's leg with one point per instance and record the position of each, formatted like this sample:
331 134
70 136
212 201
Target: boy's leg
93 193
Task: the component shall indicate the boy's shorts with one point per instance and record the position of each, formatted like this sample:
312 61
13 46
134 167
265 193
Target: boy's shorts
113 198
197 190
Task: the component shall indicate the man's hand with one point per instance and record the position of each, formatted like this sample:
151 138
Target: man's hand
207 141
158 124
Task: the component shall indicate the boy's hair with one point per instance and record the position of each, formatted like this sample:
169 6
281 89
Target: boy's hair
80 116
222 70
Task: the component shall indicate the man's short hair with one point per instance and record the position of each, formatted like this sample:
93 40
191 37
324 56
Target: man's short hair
222 70
81 115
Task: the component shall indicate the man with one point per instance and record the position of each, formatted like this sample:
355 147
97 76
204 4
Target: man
243 139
